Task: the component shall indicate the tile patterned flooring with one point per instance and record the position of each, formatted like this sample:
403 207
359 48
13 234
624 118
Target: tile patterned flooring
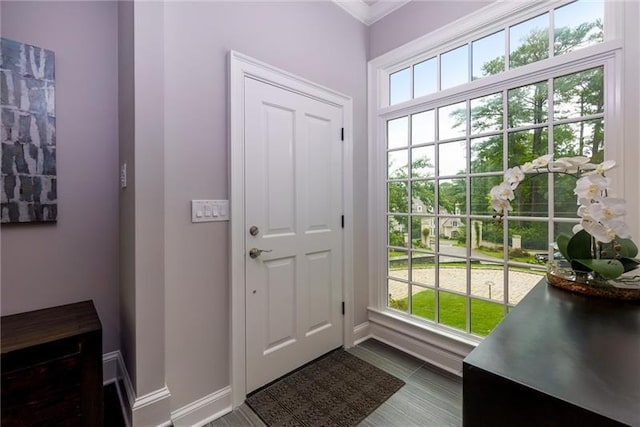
430 397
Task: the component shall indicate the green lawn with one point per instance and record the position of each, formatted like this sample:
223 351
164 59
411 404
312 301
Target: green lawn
484 315
393 253
497 253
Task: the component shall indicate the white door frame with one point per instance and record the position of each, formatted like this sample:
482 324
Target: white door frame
241 66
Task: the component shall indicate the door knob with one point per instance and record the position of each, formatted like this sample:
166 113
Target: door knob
255 252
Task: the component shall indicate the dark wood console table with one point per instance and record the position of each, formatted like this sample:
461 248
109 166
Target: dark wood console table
52 367
558 359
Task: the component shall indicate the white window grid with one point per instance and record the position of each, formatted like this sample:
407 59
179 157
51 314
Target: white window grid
531 10
606 54
551 219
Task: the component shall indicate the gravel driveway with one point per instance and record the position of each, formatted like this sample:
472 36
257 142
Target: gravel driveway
483 281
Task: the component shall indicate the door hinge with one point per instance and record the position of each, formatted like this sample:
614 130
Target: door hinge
342 221
343 308
342 134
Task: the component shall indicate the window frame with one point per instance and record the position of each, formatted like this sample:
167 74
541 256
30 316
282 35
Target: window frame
608 54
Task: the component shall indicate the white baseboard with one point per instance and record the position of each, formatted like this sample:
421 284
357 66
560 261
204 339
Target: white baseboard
437 348
113 371
151 409
110 367
204 410
361 332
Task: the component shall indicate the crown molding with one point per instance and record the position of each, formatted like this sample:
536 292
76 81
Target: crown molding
370 14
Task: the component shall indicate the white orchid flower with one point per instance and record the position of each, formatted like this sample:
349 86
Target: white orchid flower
527 167
502 192
598 231
583 212
601 216
542 161
591 187
607 209
603 219
620 228
569 164
603 167
501 206
577 160
514 176
559 166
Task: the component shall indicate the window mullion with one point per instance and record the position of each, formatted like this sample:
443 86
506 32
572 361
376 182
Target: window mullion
410 209
436 208
505 223
551 33
552 177
467 213
507 45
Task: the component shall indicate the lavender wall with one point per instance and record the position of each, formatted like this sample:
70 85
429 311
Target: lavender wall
75 259
149 241
316 40
416 19
126 122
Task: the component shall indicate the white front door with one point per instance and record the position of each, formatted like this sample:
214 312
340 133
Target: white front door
293 198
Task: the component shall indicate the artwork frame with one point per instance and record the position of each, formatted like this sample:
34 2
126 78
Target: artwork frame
28 133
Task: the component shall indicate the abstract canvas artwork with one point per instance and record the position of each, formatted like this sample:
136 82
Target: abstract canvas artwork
27 98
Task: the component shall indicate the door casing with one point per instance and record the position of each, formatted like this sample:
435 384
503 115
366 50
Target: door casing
241 66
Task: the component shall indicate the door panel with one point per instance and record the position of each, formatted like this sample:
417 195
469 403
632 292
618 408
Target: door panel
280 169
318 161
280 288
293 194
319 303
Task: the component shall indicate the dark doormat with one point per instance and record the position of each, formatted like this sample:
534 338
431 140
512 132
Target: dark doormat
338 389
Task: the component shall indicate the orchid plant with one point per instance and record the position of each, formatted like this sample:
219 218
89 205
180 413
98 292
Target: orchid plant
601 241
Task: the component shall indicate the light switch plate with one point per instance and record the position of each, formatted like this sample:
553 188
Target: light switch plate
123 176
209 210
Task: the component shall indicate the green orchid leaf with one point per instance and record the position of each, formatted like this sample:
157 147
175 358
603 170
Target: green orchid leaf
562 242
629 249
576 265
579 246
608 251
608 268
629 263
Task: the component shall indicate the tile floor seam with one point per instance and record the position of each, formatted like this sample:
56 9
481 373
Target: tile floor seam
416 370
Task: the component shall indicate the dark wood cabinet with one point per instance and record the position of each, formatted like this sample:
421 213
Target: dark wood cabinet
558 359
52 367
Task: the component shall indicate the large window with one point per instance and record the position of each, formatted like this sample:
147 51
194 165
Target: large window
452 121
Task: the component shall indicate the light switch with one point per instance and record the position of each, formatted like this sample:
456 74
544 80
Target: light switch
209 210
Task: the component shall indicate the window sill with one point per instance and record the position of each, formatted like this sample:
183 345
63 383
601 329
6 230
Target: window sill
436 345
